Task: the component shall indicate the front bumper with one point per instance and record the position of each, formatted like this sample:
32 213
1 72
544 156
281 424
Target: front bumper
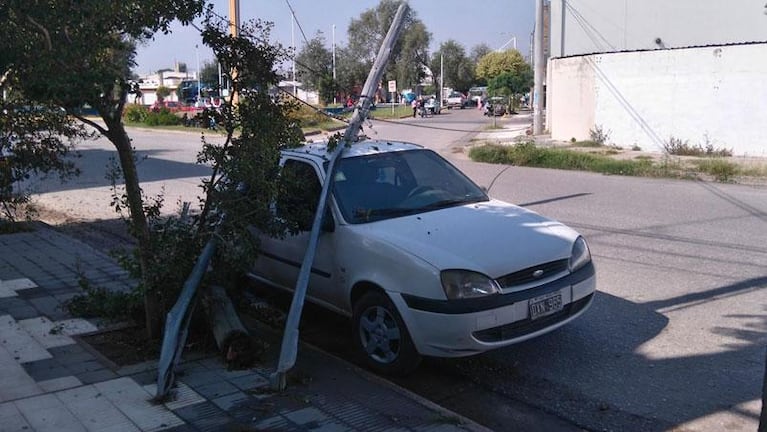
450 328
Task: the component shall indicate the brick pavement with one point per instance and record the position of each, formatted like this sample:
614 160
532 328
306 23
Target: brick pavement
52 381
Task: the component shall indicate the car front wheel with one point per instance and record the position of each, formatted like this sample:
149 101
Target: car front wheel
381 337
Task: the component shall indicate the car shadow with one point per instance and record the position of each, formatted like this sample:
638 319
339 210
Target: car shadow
599 371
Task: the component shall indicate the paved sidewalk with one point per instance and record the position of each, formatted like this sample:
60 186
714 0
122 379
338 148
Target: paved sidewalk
51 381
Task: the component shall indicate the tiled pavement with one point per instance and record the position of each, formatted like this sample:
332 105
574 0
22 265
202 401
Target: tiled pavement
51 381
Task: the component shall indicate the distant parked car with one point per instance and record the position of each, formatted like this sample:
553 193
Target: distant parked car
455 100
420 258
495 106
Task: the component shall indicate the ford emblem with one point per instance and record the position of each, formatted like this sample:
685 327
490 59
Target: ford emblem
538 273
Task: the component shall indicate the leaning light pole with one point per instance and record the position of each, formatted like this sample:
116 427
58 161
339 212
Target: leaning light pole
538 65
289 349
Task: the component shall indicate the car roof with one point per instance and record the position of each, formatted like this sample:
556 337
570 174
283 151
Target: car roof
362 148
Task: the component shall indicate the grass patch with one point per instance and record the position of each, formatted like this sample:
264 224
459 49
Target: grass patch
721 169
386 112
527 154
754 170
587 143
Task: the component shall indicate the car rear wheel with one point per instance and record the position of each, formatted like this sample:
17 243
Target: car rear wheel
381 337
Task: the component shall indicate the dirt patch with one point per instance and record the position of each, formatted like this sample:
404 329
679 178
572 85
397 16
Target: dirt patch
124 346
129 345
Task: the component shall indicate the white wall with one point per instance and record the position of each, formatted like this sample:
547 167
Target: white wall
595 26
645 97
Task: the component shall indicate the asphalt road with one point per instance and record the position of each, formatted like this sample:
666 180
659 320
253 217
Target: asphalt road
675 339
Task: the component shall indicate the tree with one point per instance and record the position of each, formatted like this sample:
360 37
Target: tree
351 69
314 62
512 84
314 67
479 51
495 63
410 54
32 144
458 69
162 92
91 47
209 74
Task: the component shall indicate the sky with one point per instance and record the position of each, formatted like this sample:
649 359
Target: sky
493 22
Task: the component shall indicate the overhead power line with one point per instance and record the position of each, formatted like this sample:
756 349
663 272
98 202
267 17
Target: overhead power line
297 22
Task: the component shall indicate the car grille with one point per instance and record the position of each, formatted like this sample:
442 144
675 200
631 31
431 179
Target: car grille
528 275
527 326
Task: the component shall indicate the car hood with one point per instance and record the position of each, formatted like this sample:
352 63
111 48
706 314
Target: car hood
494 237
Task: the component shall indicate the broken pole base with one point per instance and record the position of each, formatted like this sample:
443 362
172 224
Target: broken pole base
232 338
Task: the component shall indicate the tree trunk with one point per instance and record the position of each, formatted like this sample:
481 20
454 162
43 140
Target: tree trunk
233 340
121 141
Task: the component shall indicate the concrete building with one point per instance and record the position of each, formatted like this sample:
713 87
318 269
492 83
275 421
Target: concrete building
170 79
648 70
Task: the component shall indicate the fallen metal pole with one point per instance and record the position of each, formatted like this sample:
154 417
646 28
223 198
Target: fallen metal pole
177 323
289 349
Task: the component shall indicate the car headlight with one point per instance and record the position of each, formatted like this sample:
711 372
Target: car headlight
580 256
462 284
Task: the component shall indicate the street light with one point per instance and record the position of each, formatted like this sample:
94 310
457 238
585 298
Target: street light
197 50
334 64
513 39
293 42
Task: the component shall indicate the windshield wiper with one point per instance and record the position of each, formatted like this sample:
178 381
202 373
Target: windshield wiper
452 202
389 212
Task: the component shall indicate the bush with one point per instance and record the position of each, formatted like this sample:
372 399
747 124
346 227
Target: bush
675 146
99 302
721 169
308 117
136 113
599 135
163 117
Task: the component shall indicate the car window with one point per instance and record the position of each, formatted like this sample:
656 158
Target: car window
298 195
381 186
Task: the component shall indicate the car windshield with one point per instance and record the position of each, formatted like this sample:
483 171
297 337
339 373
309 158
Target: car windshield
388 185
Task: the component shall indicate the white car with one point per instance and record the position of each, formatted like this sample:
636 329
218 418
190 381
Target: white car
421 259
455 100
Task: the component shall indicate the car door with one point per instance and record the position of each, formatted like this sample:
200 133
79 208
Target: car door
280 259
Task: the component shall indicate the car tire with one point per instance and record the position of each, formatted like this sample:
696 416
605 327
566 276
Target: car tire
381 337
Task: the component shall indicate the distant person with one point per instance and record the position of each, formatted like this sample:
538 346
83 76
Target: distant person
414 105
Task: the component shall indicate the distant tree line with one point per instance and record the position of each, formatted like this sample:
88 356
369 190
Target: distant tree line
410 60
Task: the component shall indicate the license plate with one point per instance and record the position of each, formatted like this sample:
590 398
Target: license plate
545 305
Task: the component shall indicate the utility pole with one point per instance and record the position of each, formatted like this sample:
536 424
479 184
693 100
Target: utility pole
293 42
441 79
334 63
538 65
197 51
289 348
234 17
234 31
